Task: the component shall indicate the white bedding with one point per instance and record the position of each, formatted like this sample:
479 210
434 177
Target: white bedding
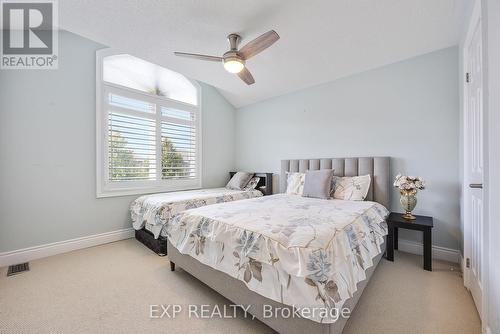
299 251
155 210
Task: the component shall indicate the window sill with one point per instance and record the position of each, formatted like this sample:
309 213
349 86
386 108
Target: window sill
143 191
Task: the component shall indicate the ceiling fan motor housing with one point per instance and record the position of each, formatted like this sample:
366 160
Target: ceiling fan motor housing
234 41
234 56
233 61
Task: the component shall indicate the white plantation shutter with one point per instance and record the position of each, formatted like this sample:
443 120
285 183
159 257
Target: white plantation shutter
179 144
148 142
131 148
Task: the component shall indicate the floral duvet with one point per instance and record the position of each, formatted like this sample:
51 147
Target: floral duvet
155 210
303 252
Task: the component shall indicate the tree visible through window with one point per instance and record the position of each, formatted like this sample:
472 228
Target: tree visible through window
128 167
172 162
123 157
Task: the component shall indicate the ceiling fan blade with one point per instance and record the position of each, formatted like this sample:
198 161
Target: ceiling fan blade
259 44
246 76
198 56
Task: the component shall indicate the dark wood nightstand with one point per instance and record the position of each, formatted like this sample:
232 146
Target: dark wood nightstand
425 224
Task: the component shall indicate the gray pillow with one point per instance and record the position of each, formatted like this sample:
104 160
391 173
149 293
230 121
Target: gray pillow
239 180
318 183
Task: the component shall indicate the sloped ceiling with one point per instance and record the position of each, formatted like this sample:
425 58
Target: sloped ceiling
320 40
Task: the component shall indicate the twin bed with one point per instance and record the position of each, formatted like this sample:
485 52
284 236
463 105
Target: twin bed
310 256
151 213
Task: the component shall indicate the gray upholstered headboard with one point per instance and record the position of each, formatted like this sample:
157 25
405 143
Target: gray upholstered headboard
377 167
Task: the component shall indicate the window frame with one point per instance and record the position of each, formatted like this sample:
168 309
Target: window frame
107 188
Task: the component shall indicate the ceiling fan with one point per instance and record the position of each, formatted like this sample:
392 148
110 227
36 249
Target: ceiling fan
234 60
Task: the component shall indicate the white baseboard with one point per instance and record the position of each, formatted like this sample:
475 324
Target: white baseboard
488 330
37 252
440 253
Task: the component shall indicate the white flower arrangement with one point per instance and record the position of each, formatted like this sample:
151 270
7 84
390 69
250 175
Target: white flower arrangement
409 182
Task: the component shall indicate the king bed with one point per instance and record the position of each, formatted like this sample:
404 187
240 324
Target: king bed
309 255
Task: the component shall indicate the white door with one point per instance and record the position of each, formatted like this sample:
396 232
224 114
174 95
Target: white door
473 163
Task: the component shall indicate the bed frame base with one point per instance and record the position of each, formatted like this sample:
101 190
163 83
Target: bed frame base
159 246
237 292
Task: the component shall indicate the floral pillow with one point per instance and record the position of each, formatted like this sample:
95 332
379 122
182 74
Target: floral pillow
295 183
239 180
252 184
353 188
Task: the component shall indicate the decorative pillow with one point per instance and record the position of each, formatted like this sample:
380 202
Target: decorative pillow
353 188
295 183
239 180
252 184
318 183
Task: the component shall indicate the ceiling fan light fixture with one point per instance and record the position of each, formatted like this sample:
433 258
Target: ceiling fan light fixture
234 64
234 59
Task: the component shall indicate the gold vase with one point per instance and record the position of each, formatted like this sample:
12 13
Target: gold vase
408 200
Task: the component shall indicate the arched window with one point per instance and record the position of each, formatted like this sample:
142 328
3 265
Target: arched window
148 127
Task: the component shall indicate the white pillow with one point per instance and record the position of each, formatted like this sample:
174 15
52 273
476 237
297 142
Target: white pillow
295 183
353 188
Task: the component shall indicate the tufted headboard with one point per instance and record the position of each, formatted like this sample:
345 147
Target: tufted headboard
377 167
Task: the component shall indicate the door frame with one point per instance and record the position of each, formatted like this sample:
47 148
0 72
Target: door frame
475 19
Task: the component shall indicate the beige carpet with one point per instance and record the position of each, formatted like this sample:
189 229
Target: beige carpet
108 289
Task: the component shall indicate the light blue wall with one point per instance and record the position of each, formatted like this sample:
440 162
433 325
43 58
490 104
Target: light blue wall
408 111
47 151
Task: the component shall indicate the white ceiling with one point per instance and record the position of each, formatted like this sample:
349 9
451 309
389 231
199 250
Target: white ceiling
320 40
